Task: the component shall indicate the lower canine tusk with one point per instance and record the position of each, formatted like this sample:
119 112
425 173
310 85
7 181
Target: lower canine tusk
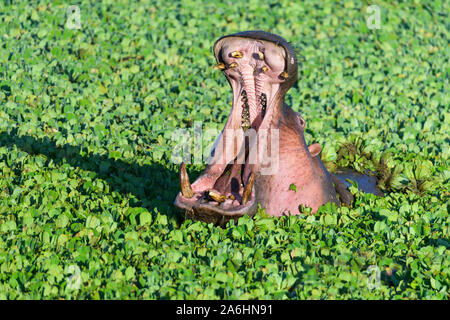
185 185
248 188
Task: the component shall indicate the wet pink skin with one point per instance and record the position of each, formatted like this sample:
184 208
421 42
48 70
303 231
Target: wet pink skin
298 165
266 66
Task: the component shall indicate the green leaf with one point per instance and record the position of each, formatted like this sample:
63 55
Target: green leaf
293 187
145 218
129 273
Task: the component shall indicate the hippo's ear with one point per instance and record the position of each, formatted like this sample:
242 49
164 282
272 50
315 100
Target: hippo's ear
314 149
301 121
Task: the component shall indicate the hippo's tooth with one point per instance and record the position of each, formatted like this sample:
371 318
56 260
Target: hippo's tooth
232 65
185 185
284 75
220 66
261 55
248 188
263 104
237 54
216 196
264 69
245 116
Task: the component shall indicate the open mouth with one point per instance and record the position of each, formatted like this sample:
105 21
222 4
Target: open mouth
255 65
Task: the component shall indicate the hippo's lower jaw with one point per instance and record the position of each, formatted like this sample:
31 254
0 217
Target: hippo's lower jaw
260 68
212 207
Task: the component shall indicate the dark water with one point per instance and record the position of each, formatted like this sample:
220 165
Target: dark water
367 184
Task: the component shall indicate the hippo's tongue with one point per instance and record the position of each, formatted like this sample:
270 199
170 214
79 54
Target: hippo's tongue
230 182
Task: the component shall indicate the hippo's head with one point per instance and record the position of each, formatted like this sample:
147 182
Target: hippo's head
260 67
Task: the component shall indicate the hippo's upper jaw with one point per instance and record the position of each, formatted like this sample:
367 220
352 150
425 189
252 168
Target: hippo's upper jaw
255 70
260 67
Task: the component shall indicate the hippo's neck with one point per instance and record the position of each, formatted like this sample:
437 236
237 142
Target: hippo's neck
292 148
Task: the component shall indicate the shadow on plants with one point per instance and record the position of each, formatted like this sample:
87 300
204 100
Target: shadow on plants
153 185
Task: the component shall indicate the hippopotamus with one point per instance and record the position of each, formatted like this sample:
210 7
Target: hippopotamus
261 156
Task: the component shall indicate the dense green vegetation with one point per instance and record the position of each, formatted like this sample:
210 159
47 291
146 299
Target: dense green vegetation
86 123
